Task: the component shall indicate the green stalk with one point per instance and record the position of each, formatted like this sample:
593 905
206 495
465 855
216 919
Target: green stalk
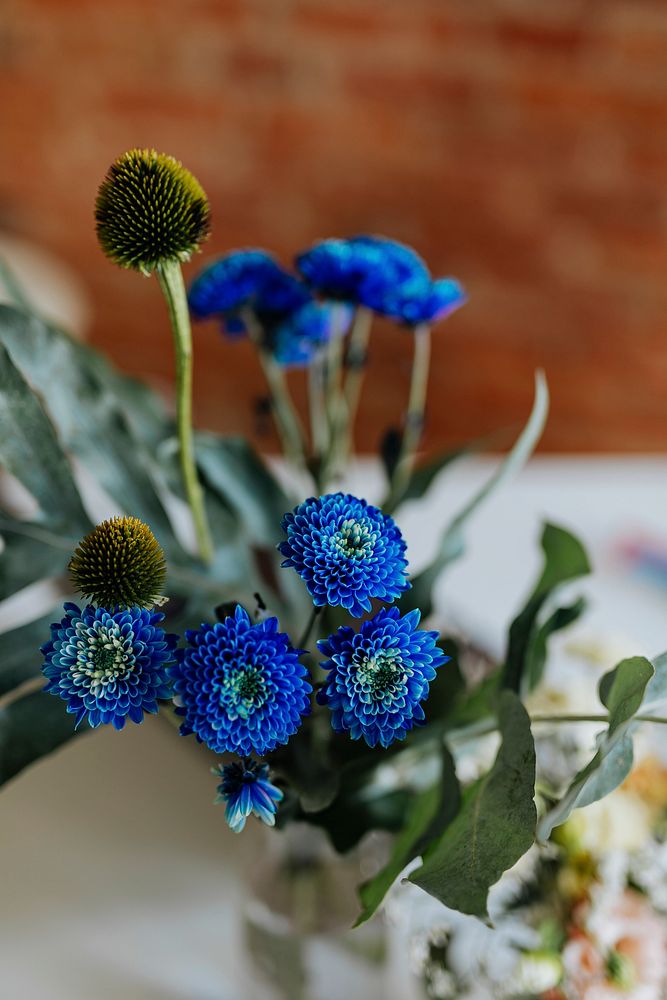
356 369
309 626
318 422
594 718
285 415
170 277
414 419
335 401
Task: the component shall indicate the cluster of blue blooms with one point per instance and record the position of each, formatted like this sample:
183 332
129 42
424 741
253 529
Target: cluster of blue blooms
240 686
298 317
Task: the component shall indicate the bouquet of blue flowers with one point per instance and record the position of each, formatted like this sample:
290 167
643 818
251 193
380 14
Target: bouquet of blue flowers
283 631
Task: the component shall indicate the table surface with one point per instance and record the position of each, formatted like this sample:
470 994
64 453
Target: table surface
119 878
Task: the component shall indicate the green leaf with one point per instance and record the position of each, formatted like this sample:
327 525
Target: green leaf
429 814
234 471
90 406
30 553
536 651
452 542
31 727
424 475
30 450
564 559
20 658
495 825
621 692
655 697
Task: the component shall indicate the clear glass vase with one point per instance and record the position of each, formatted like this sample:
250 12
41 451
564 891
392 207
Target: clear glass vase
298 915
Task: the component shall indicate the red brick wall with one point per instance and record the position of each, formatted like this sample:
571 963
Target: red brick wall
519 145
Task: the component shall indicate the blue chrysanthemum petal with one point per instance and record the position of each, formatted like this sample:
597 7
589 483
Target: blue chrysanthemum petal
302 335
378 677
346 551
239 686
424 301
248 280
109 665
246 790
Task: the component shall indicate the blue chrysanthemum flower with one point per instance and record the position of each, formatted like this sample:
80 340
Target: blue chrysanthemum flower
247 279
246 789
379 676
346 551
300 338
109 665
424 301
361 270
230 283
239 686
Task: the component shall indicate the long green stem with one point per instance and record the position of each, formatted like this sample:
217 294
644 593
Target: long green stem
309 626
170 277
356 367
490 725
335 400
318 422
594 718
287 419
414 419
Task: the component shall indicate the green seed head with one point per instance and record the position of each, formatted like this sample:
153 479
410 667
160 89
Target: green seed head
119 563
150 210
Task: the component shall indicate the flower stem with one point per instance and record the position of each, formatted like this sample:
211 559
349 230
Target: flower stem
318 422
309 626
594 718
286 418
356 365
414 419
335 400
170 277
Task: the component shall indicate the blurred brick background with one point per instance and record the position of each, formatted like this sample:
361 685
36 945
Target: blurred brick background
519 145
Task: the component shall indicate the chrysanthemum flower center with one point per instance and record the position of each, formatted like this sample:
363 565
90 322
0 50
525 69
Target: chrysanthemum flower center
382 673
102 656
354 539
244 691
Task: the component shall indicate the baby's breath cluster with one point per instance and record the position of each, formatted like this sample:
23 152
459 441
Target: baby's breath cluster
119 564
150 210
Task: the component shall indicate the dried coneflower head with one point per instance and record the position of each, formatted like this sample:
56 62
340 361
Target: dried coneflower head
119 564
150 210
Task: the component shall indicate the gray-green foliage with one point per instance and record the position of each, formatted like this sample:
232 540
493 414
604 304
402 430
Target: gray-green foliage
66 416
495 825
61 403
635 686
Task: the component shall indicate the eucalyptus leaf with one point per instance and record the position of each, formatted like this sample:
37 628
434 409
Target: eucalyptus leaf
233 470
536 651
423 477
429 814
655 696
564 559
30 553
30 727
621 692
495 825
452 542
91 417
30 450
20 657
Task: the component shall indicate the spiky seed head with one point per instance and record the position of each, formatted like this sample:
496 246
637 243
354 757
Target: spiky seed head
119 563
150 210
